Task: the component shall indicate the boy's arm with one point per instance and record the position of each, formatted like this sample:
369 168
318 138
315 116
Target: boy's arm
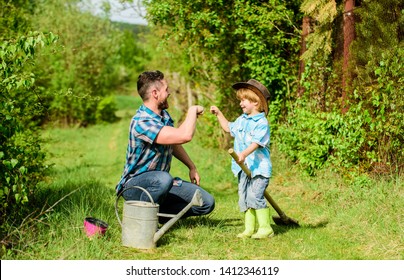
242 155
224 123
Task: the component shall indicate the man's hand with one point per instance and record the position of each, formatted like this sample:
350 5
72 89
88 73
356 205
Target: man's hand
194 176
199 110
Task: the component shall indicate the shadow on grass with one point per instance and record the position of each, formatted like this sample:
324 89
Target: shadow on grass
281 229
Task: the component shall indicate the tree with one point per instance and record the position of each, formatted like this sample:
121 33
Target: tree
349 36
303 49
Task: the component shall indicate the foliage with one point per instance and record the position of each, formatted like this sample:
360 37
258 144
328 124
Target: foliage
318 139
106 109
368 137
380 104
14 17
323 14
21 158
263 45
76 77
380 28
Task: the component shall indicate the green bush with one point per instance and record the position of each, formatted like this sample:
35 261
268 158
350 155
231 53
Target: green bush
106 109
369 137
380 104
21 158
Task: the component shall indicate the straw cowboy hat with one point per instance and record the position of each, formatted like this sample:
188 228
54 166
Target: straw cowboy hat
258 88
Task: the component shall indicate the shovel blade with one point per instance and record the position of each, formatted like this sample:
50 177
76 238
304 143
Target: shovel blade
286 221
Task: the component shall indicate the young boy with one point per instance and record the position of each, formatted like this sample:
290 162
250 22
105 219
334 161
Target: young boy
251 134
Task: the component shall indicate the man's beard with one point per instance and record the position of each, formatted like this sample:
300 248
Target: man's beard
163 105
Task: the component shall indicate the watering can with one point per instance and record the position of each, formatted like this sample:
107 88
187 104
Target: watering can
140 220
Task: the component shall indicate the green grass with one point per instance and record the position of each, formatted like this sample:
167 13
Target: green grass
362 219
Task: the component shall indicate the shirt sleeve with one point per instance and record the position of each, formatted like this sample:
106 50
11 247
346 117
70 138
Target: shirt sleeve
261 134
147 129
233 126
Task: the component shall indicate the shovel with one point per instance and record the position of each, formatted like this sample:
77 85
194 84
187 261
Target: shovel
282 219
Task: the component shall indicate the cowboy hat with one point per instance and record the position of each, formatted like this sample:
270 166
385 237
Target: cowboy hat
258 88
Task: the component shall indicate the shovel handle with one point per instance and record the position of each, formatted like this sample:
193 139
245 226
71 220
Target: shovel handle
266 194
243 166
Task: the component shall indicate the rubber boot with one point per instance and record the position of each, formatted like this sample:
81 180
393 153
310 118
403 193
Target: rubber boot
249 221
264 227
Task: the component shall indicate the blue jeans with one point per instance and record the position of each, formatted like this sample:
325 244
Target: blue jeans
251 192
172 194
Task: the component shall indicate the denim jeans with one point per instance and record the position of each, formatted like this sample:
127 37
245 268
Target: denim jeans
251 192
172 194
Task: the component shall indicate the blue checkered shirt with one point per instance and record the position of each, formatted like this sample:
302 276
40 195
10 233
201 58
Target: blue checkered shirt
247 130
142 153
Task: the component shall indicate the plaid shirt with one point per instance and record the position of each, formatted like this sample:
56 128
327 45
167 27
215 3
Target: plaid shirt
247 130
142 153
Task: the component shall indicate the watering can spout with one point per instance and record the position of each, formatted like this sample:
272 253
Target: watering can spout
196 201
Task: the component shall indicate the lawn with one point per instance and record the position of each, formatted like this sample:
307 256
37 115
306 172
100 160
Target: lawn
340 218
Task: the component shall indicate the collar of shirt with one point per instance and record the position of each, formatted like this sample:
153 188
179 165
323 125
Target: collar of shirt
164 117
255 117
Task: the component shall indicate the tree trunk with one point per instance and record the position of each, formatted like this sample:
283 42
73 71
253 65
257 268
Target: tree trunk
349 36
303 47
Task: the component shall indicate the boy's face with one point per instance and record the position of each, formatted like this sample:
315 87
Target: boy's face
249 107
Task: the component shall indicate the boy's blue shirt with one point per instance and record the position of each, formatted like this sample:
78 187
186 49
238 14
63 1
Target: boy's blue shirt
247 130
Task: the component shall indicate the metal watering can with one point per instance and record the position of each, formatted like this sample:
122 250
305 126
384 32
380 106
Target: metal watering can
140 220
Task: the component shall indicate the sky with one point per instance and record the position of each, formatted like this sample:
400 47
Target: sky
129 13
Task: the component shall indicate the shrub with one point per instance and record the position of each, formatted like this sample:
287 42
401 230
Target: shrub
21 158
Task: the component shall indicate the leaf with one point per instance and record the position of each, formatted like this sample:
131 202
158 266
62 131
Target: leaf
23 170
14 162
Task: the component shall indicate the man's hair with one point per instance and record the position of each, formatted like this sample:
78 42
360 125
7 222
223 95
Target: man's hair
147 79
245 93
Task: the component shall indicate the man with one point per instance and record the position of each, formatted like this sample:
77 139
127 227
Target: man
153 140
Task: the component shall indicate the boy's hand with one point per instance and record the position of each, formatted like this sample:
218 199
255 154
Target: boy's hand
241 157
214 110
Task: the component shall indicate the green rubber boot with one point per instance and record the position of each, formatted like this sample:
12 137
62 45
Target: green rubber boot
264 227
249 220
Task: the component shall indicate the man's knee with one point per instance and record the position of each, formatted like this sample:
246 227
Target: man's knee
208 204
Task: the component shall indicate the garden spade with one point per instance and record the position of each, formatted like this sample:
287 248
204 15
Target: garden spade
282 219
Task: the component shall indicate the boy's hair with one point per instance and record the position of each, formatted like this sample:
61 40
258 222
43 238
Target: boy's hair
245 93
147 79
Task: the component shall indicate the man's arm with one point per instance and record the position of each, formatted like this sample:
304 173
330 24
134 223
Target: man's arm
180 153
171 136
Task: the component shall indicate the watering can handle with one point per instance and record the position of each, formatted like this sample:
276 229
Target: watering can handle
124 190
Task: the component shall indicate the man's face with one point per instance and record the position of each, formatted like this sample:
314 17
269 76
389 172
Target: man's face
163 94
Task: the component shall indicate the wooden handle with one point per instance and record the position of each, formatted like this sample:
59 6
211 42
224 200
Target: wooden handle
266 194
243 167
